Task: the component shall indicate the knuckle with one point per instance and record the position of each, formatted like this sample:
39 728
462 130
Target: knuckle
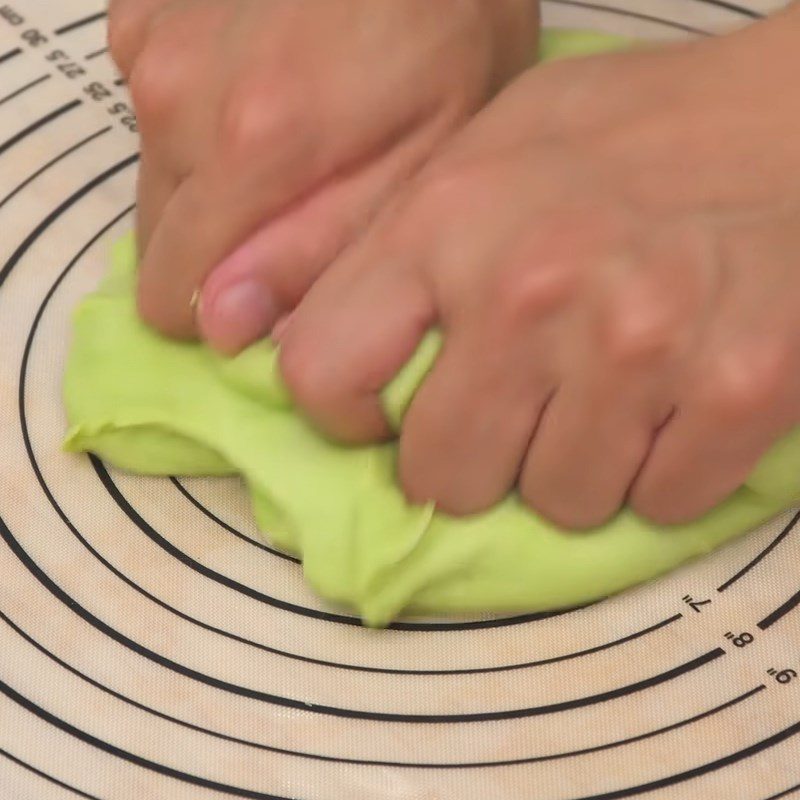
124 33
546 271
743 384
638 334
529 290
255 119
156 91
122 44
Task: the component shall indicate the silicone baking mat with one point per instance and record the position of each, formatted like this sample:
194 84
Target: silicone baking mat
153 646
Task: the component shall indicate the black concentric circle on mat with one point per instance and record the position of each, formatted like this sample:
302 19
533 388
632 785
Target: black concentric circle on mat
280 700
450 709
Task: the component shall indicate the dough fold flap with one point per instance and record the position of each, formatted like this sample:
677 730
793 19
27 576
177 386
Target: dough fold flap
156 407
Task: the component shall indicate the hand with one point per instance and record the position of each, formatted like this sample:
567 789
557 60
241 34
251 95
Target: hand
273 129
611 249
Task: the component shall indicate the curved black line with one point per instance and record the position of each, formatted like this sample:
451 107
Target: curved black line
275 602
299 705
72 26
148 530
20 763
621 12
785 793
59 593
40 123
640 737
106 747
763 554
307 659
712 766
525 664
777 796
322 662
24 88
17 189
26 244
734 7
595 799
111 749
10 54
134 585
468 671
367 762
182 615
517 619
569 656
780 612
276 651
224 525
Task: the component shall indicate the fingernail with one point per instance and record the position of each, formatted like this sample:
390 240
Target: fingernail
236 315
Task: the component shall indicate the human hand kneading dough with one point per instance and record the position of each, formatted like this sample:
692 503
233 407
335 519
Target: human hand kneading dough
612 251
273 129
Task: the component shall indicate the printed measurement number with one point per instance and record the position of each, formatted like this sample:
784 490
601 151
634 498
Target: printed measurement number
64 65
11 16
784 676
72 70
33 36
741 639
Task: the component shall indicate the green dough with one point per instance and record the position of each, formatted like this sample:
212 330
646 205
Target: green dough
158 407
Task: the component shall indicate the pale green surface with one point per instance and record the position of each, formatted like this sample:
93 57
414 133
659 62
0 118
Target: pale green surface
158 407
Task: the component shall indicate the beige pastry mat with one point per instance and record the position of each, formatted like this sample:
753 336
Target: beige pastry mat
151 646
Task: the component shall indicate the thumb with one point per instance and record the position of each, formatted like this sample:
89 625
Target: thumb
216 208
266 278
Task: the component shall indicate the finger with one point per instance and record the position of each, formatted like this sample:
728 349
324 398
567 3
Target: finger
205 219
739 393
170 74
284 258
348 338
592 441
637 324
465 435
155 187
734 412
244 298
172 134
128 24
267 156
278 141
